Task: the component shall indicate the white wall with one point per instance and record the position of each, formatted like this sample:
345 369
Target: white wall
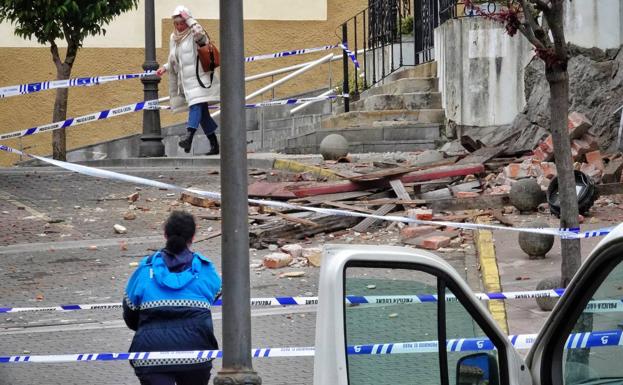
594 23
128 30
480 71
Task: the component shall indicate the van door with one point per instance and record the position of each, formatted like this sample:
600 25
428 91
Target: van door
582 341
385 311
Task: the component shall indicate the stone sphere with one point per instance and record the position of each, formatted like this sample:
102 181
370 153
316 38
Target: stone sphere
547 303
333 147
526 194
536 245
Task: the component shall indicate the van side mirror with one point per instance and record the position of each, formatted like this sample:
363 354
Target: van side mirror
477 369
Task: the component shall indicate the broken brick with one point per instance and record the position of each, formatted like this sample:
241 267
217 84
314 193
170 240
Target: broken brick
594 158
519 170
277 260
540 155
466 194
548 169
421 214
434 242
593 172
416 231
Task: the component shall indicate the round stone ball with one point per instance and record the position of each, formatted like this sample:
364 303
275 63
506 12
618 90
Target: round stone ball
547 303
536 245
526 194
333 147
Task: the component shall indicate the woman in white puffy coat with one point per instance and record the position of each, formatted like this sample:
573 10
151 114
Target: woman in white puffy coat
185 71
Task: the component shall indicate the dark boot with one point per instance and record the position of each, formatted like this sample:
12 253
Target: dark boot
214 150
187 142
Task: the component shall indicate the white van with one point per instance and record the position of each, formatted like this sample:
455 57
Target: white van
396 342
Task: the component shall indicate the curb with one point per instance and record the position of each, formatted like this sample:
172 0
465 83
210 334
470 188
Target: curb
294 166
489 272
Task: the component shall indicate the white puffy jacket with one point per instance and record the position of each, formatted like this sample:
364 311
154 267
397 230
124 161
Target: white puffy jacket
184 89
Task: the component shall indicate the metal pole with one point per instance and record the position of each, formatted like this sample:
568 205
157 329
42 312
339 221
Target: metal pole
355 50
345 90
151 139
237 366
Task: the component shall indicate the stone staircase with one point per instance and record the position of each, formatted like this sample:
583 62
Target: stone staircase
403 114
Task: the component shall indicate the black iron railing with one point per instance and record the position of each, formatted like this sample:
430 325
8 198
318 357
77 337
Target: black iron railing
378 31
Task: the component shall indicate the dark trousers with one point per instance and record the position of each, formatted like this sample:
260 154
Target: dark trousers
192 377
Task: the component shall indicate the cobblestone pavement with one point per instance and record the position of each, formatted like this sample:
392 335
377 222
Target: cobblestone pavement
57 246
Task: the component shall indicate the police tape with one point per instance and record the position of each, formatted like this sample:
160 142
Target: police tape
350 54
290 53
71 122
29 88
522 341
145 105
594 306
573 233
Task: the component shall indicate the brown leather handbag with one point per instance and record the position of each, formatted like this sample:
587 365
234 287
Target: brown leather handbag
210 59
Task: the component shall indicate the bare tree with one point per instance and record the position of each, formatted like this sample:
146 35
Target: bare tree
541 22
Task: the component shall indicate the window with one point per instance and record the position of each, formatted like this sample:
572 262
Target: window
393 339
593 351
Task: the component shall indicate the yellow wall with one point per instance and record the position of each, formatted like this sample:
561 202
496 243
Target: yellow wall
21 65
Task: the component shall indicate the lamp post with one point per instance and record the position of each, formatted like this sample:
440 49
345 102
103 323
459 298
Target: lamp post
151 139
237 367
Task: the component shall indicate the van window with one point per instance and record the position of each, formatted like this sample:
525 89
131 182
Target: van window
401 319
593 351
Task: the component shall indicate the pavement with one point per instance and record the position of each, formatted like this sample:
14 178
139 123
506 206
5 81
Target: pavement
57 245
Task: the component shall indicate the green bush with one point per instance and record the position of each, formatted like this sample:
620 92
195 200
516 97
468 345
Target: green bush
406 25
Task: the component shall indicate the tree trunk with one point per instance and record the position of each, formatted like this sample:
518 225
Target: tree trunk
558 80
59 141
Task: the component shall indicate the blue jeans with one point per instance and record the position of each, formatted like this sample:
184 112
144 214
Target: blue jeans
200 114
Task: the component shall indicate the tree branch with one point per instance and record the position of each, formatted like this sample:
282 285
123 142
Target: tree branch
530 26
541 5
56 58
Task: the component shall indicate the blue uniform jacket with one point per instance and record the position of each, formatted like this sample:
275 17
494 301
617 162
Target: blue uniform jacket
170 311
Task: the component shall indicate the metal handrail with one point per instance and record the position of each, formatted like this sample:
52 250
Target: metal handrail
284 79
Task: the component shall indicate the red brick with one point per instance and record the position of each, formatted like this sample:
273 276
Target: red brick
548 169
539 154
594 158
416 231
519 170
591 171
466 194
434 242
277 260
547 144
421 214
578 125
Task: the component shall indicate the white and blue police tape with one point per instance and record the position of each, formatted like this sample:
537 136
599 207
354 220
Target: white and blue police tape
595 306
105 114
145 105
350 54
523 341
29 88
289 53
101 173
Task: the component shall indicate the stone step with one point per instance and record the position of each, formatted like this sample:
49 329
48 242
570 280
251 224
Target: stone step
426 70
403 86
370 118
384 133
370 139
408 101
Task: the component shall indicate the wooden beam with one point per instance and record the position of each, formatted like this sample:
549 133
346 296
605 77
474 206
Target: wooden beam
459 204
383 210
416 176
